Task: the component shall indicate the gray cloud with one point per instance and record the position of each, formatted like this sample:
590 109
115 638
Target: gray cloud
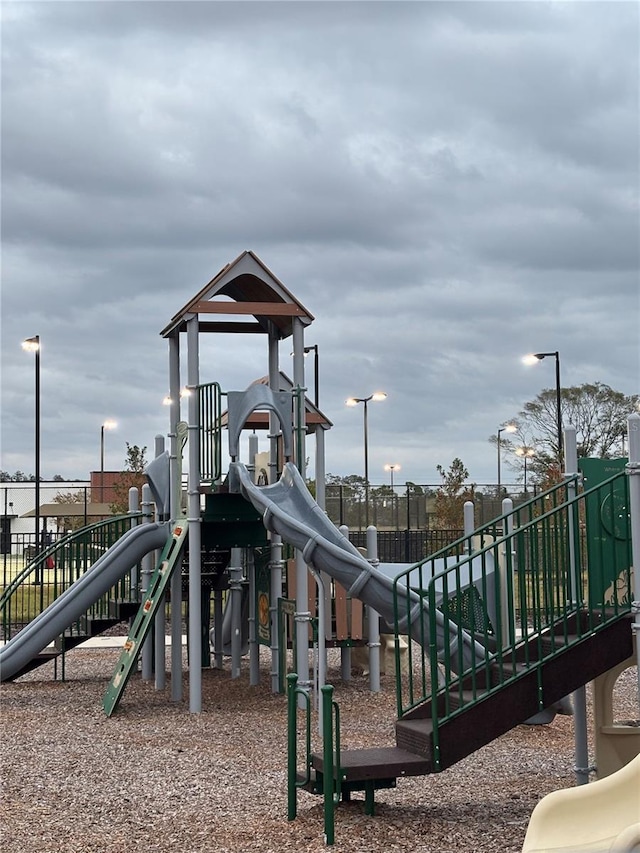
444 185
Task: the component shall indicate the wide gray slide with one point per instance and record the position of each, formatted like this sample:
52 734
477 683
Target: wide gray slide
111 567
289 509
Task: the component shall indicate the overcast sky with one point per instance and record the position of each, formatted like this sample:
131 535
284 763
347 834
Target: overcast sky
444 185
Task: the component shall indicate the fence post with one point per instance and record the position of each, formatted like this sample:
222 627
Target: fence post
633 470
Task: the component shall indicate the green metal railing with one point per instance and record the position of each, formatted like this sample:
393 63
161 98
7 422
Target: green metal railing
56 568
332 773
210 414
557 582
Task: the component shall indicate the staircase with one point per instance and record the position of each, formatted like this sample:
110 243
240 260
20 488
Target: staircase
555 631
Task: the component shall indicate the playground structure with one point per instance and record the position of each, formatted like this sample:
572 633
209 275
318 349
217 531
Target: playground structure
504 624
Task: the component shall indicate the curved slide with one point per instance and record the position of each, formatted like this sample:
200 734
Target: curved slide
601 817
289 510
78 598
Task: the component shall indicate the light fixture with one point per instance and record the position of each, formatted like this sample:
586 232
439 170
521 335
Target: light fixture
33 345
507 428
109 424
377 396
533 358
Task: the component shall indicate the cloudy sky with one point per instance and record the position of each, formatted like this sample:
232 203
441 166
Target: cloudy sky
444 185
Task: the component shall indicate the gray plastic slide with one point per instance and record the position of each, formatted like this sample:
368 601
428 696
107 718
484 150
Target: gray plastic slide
78 598
289 509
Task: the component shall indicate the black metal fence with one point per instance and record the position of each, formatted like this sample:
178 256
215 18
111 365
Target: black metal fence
410 508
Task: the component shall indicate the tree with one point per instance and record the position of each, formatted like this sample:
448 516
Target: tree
131 477
18 477
598 413
69 522
450 497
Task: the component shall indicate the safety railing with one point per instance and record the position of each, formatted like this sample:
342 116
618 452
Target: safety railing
332 773
57 567
547 581
210 415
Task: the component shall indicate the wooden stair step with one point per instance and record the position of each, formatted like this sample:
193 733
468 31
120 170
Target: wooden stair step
381 763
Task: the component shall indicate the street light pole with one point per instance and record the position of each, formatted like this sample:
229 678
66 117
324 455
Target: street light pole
507 428
391 469
538 356
316 393
525 453
353 401
105 425
33 345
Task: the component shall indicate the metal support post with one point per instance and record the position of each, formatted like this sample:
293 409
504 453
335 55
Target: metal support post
373 617
633 470
235 586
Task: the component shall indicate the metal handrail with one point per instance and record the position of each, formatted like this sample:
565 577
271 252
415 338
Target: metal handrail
547 581
36 586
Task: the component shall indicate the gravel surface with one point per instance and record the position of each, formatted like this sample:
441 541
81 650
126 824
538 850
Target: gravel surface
156 778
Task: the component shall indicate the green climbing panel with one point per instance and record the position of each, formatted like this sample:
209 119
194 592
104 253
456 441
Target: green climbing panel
169 559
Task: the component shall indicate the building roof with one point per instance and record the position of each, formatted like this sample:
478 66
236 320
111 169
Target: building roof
244 288
75 510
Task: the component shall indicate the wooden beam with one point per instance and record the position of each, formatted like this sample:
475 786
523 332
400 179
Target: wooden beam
262 309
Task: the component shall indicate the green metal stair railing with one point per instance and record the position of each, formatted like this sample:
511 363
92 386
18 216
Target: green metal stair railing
547 600
465 604
56 568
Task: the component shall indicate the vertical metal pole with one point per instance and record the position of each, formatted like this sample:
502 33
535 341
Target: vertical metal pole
302 616
235 587
579 696
329 764
176 510
345 651
193 517
276 563
292 746
366 466
499 431
146 572
160 621
37 448
505 577
633 470
102 464
374 619
558 411
254 646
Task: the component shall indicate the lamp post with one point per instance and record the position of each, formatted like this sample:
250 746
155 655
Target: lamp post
534 357
316 395
353 401
33 345
105 425
391 469
507 428
525 453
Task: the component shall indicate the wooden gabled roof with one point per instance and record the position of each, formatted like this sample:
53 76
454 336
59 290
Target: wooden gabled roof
244 288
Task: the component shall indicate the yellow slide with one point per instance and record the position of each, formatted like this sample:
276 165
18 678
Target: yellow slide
602 817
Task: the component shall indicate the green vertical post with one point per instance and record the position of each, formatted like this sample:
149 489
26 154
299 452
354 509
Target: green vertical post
292 746
328 783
